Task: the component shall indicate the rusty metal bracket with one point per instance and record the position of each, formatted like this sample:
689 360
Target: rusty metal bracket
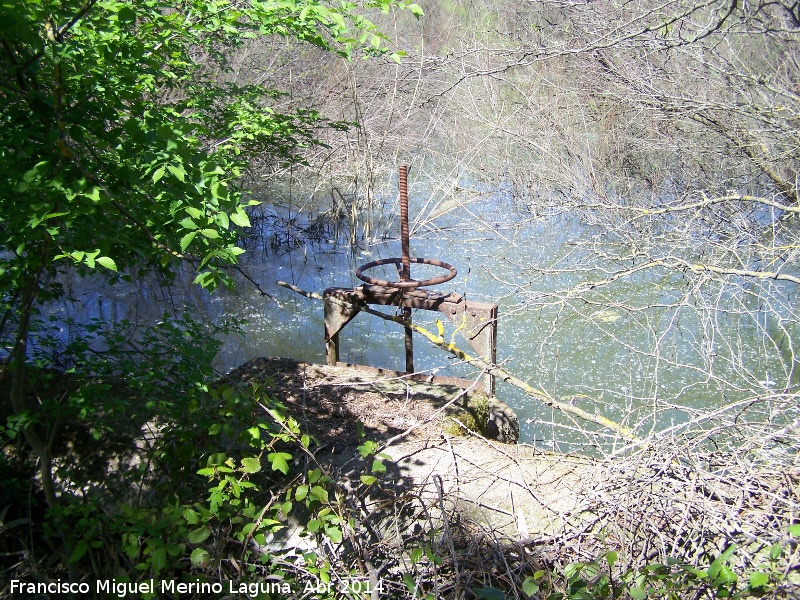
476 321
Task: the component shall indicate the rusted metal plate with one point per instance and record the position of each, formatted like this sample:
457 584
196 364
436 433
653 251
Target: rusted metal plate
336 317
477 322
385 296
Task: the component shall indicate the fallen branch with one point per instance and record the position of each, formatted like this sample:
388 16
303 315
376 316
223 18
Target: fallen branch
439 342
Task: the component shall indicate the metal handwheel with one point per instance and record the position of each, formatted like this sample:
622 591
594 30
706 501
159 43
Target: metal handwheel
410 283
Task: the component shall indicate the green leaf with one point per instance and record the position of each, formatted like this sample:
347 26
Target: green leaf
278 460
334 533
213 169
339 20
728 553
159 173
714 569
220 190
378 467
126 13
107 262
240 218
489 593
93 195
437 560
198 536
637 593
79 551
199 557
776 551
726 576
314 525
368 479
178 171
416 10
367 448
187 239
611 558
253 465
301 492
158 558
193 212
218 458
188 223
192 518
410 583
319 493
758 579
529 586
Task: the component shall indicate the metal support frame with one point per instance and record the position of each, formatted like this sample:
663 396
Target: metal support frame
476 321
479 319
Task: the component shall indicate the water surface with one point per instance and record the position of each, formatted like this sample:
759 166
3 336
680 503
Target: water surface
643 351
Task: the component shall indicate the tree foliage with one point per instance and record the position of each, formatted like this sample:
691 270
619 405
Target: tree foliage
122 145
121 140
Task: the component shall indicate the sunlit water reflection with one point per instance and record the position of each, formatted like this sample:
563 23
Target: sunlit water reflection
638 367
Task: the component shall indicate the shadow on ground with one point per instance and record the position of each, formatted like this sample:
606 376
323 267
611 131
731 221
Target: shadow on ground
438 465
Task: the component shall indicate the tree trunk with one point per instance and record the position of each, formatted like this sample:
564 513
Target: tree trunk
41 447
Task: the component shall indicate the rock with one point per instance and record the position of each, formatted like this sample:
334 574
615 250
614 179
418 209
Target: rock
329 401
503 424
488 416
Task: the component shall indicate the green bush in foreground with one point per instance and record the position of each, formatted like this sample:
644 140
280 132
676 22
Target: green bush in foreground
122 143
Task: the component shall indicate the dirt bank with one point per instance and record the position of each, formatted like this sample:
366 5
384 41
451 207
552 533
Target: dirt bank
436 431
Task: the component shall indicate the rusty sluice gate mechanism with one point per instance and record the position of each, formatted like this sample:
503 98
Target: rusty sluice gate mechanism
477 321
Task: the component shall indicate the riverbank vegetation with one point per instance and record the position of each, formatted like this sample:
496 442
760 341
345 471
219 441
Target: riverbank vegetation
133 139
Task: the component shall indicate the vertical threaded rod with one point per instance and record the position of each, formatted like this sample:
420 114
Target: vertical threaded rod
405 274
406 253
